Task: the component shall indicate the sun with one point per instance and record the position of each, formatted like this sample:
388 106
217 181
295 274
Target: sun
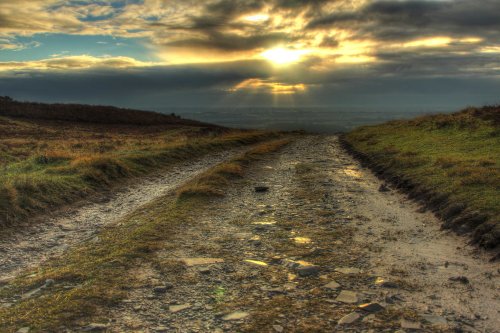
282 56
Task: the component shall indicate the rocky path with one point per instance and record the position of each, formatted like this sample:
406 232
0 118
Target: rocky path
41 240
322 250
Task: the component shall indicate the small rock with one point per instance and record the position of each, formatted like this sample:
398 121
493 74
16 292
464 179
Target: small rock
204 270
162 289
332 285
238 315
389 284
178 308
261 188
391 299
410 325
435 320
95 327
372 307
369 318
348 270
278 328
347 296
49 282
305 271
461 279
23 330
349 319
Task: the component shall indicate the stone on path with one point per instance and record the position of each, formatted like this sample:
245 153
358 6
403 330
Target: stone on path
347 296
435 320
349 319
95 327
348 270
261 188
332 285
23 330
201 261
238 315
162 289
305 271
410 325
178 308
372 307
278 328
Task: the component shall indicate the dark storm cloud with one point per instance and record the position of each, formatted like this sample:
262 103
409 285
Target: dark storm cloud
232 42
112 83
394 20
425 64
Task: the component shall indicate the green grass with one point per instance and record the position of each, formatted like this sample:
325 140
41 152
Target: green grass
47 165
97 274
457 156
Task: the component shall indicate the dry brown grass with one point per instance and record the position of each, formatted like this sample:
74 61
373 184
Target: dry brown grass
45 164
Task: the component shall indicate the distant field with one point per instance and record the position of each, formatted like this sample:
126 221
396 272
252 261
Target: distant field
46 164
450 162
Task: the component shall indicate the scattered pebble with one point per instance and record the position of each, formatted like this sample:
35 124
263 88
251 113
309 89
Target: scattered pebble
238 315
347 296
332 285
178 308
349 319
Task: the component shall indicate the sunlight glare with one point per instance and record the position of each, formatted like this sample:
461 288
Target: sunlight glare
256 18
282 56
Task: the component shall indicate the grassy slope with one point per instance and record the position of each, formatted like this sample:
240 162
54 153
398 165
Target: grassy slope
451 162
48 164
97 274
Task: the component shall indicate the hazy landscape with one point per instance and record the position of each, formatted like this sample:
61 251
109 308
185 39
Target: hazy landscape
327 120
249 166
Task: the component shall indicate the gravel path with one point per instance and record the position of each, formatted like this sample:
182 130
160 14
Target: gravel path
40 241
304 256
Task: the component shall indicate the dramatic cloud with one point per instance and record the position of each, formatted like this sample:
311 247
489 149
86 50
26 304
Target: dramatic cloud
311 49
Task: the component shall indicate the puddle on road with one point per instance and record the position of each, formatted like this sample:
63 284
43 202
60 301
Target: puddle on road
256 262
302 240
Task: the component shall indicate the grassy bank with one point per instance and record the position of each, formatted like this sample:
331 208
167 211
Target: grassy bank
48 164
449 162
97 274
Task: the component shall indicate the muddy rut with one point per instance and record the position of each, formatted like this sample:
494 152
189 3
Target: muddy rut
50 236
307 254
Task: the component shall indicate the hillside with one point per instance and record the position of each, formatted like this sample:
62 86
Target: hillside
451 163
90 114
54 155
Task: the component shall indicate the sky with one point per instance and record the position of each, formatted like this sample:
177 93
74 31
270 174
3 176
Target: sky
339 53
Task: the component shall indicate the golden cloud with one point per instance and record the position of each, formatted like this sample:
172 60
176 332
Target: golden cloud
276 88
74 62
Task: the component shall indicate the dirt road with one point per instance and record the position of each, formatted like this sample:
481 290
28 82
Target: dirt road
322 250
38 241
305 255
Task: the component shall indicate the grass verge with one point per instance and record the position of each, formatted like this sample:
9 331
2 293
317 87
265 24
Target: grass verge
47 165
449 162
96 275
